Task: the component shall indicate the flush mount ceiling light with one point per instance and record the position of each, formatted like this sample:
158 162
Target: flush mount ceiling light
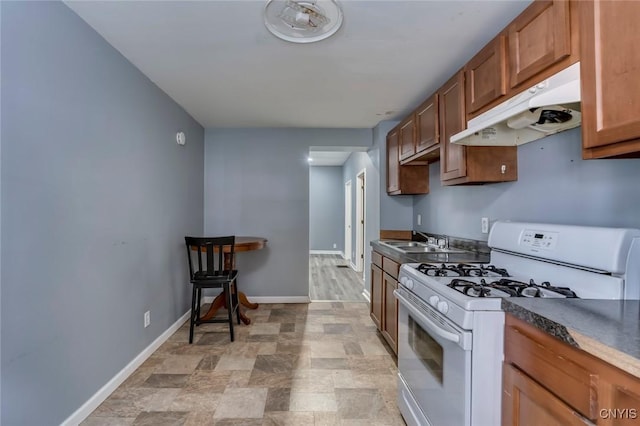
302 21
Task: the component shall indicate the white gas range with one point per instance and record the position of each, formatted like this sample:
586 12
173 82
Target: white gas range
450 322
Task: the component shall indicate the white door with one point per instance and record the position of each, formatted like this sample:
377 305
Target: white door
347 220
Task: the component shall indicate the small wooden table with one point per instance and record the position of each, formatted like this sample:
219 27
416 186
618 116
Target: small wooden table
241 244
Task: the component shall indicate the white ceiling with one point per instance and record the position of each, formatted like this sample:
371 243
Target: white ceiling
217 60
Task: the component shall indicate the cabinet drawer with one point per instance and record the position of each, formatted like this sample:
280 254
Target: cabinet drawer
390 267
376 259
525 402
539 358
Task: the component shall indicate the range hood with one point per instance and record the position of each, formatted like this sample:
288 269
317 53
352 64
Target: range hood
549 107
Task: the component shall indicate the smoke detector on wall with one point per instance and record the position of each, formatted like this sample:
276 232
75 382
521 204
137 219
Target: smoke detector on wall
302 21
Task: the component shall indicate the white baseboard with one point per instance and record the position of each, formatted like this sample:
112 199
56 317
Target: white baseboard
338 252
366 295
268 299
98 398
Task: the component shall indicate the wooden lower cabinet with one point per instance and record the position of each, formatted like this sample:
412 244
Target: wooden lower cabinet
390 323
384 305
548 382
376 295
525 402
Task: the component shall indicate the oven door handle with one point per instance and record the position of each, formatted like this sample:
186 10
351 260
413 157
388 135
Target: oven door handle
432 326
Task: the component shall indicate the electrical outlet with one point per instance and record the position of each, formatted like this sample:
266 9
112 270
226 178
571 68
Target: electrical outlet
335 245
485 225
147 319
419 219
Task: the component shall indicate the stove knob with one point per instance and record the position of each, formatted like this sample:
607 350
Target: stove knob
443 307
403 280
408 284
433 301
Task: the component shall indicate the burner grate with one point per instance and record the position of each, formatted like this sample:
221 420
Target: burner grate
461 270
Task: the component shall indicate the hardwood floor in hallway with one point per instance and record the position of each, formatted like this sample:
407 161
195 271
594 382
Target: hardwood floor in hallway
329 281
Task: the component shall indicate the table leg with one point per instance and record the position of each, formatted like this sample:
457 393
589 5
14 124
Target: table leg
245 302
221 302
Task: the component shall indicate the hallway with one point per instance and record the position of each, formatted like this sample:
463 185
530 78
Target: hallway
330 278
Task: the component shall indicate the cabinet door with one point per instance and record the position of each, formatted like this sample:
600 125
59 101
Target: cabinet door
408 137
610 74
427 124
486 75
538 38
376 295
525 402
453 162
393 162
390 323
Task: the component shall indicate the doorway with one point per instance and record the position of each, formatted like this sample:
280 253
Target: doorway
360 221
347 221
333 223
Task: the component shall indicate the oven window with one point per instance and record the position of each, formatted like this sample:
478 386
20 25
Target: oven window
428 351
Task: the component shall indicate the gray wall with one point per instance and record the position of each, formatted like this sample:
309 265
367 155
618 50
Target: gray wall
257 183
554 185
357 162
326 208
96 200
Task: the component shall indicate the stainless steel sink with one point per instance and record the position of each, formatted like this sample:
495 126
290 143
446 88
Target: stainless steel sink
428 249
418 247
404 244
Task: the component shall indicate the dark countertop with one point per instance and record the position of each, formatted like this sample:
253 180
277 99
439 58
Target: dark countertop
607 329
468 257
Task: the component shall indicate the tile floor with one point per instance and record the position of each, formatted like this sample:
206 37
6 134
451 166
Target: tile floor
296 364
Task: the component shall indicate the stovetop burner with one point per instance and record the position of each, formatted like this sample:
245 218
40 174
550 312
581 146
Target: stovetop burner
470 288
506 287
462 270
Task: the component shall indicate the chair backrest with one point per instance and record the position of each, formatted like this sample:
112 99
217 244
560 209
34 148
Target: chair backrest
209 247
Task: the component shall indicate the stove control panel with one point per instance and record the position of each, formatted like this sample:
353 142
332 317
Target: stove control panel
539 239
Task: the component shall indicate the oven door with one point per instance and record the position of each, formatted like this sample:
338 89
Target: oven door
434 363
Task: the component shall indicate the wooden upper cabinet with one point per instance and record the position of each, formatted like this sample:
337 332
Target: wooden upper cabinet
452 120
409 179
486 75
538 38
408 137
610 78
393 161
427 128
461 164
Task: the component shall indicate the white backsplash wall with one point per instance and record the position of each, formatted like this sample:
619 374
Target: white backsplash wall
555 185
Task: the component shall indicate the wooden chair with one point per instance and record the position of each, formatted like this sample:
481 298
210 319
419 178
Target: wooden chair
210 272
